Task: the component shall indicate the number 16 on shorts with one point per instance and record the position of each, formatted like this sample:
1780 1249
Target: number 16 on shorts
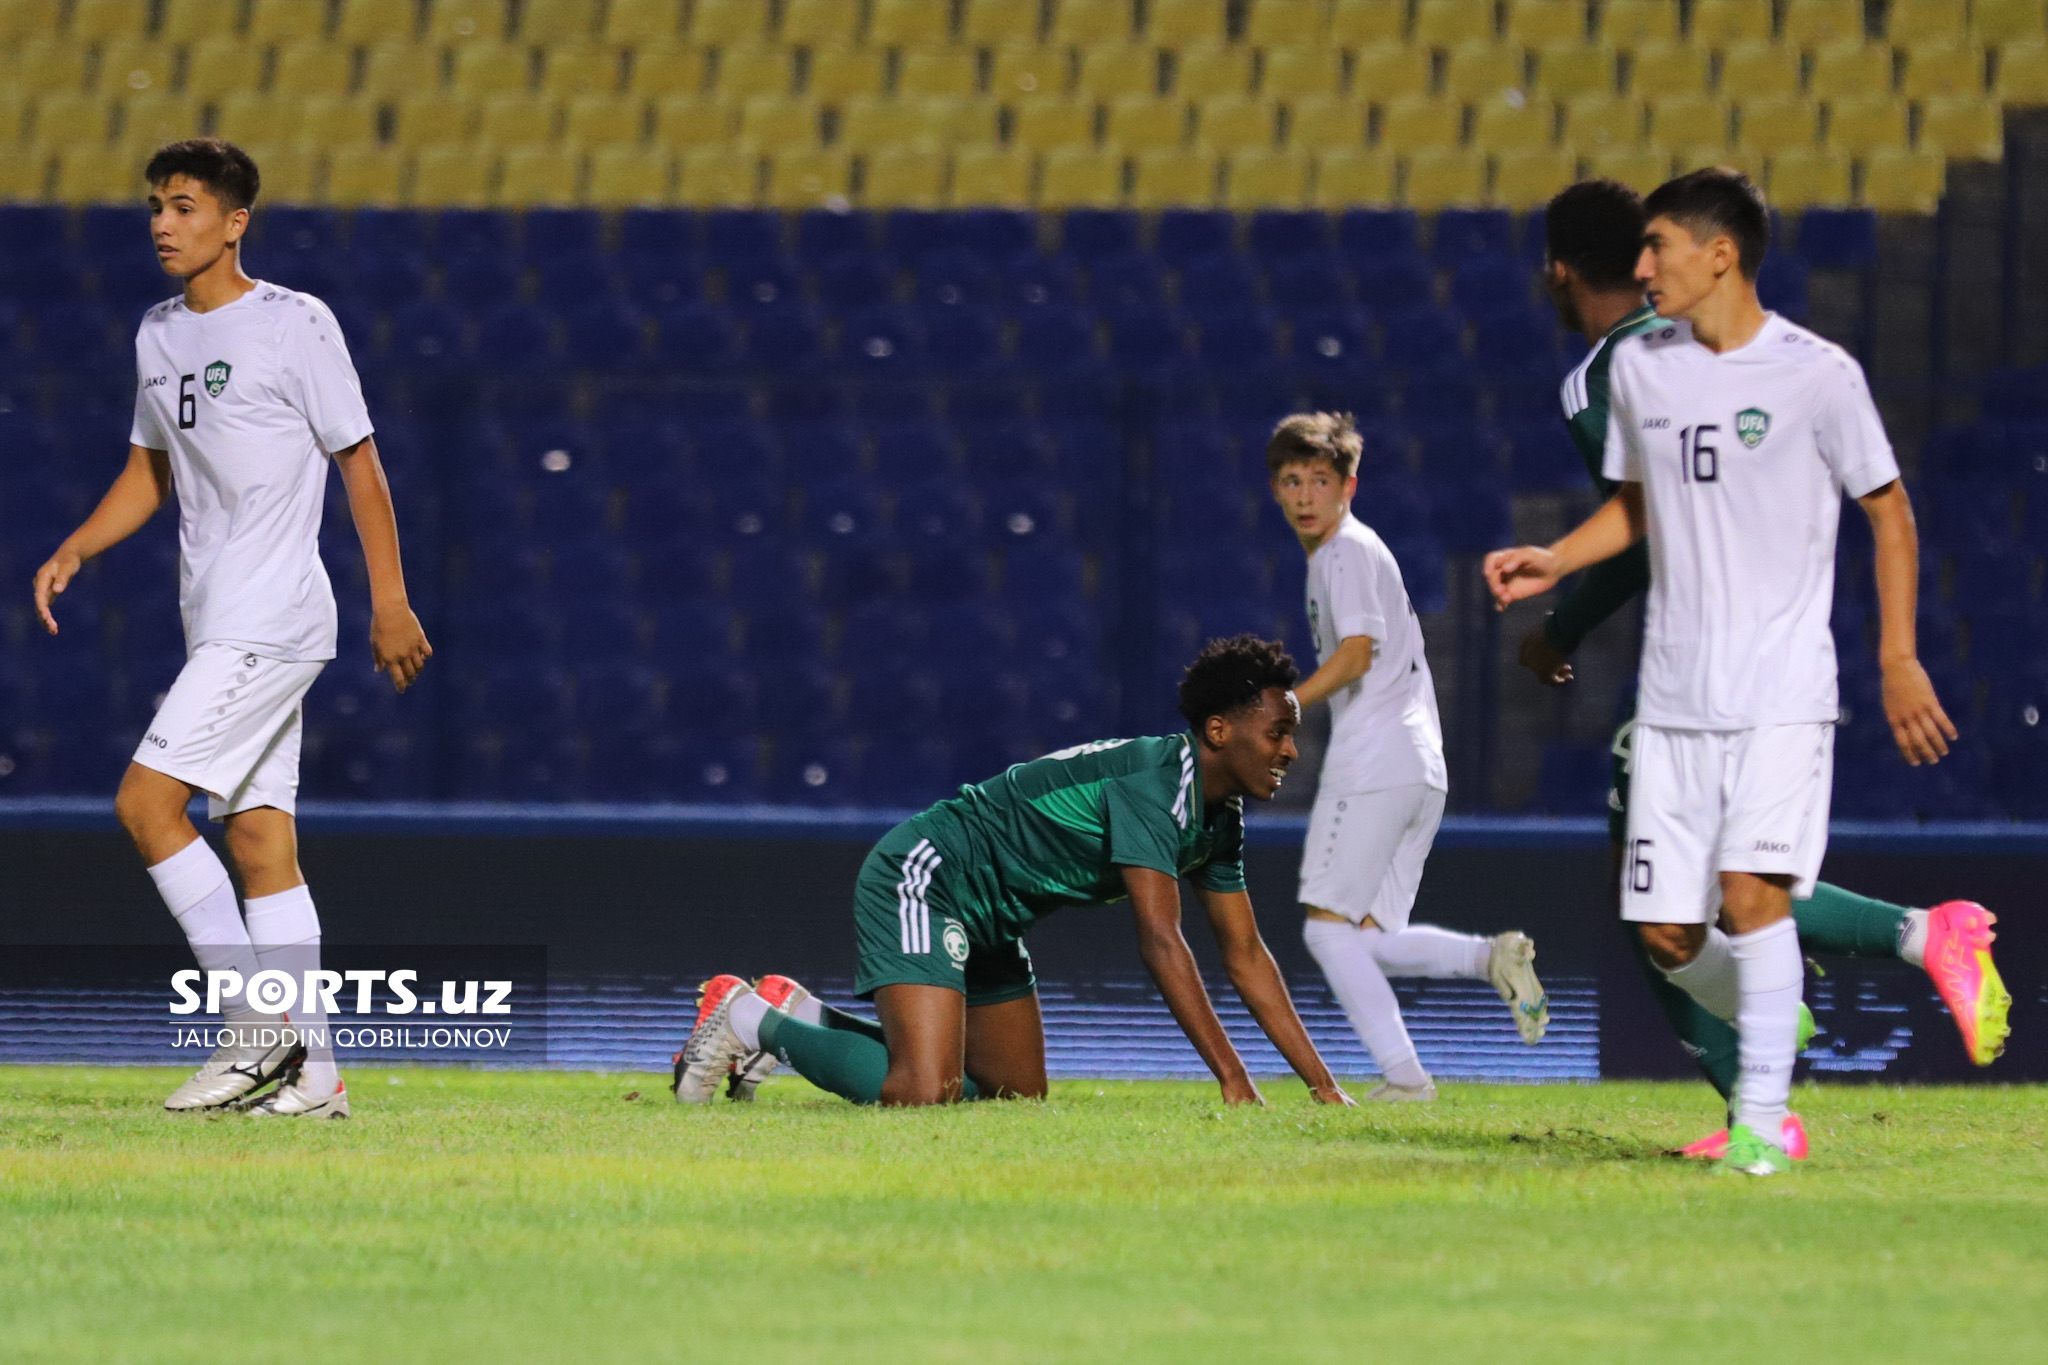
1638 875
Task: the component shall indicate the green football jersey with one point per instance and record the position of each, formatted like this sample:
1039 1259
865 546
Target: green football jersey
1056 831
1585 393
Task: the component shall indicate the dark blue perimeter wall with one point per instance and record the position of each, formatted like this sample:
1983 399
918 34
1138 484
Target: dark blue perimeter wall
636 907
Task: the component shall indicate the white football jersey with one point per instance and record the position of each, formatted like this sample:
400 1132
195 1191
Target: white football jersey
1384 730
248 400
1743 457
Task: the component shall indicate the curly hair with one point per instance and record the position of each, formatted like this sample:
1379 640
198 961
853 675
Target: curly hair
1229 675
1596 228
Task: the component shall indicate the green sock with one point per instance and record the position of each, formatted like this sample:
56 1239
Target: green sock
846 1056
1712 1042
851 1023
1848 925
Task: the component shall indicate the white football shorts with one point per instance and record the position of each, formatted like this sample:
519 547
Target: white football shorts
230 726
1365 852
1704 802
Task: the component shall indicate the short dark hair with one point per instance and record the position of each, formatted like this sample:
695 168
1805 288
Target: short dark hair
1229 675
1596 228
1716 201
1306 437
222 167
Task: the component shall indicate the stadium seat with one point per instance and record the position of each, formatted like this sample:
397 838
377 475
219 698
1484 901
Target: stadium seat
1081 177
1838 239
1481 70
1277 23
1668 71
1629 23
1114 71
1326 122
1755 69
1964 127
1212 71
1812 23
937 72
1897 180
1723 23
1574 72
1774 125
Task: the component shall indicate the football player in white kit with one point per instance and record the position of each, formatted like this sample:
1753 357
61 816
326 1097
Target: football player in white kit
1733 436
245 390
1381 795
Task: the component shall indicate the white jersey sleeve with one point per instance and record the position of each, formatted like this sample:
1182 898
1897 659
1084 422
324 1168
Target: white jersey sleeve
1357 596
147 431
319 379
1621 459
1848 431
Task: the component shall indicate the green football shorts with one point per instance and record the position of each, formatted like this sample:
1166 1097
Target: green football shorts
911 914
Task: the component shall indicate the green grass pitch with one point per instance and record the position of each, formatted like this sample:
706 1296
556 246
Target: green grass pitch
475 1216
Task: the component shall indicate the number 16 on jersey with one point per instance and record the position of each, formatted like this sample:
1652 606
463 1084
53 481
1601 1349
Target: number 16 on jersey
1698 461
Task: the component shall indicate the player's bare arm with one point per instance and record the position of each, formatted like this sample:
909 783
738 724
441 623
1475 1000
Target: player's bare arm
1155 902
138 490
1259 984
1529 570
1352 661
1919 725
398 645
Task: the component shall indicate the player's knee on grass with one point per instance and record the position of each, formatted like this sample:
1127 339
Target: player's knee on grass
1673 945
915 1086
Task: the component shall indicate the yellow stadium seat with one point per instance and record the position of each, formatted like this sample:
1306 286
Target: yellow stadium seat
808 178
1692 158
1603 122
715 177
1848 69
997 177
1899 181
25 19
1212 70
433 117
602 120
290 174
1139 124
1816 23
1027 72
194 21
627 177
153 119
1417 121
313 68
24 173
1387 72
751 71
1691 120
1174 23
539 175
1045 124
1081 177
98 174
1937 70
904 177
820 22
2023 73
1667 70
1571 72
514 120
962 121
131 65
1291 73
62 120
659 70
364 175
688 121
1910 22
909 23
1284 23
1809 177
1863 124
1641 168
2008 21
573 69
1501 125
375 21
1527 177
395 70
640 21
1316 122
1169 178
1630 23
1775 125
1118 69
1452 23
1367 23
871 123
1237 124
1478 71
928 71
454 175
1547 23
1092 21
1444 177
718 22
1266 178
544 23
1752 70
1963 127
1354 175
15 109
336 121
97 21
1724 23
769 125
466 21
492 69
248 116
221 66
1000 21
843 72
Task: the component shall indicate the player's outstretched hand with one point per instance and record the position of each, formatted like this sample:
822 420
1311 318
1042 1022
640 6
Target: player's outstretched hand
51 580
1334 1095
1240 1090
1550 664
398 646
1919 725
1524 571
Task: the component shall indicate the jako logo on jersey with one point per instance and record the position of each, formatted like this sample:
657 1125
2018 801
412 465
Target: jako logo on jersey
1656 424
1771 846
955 939
1752 424
156 381
217 378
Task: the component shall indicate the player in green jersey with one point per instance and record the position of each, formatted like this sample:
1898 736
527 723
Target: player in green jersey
1594 235
943 901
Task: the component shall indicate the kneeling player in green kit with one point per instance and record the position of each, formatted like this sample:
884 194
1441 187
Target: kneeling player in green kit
944 899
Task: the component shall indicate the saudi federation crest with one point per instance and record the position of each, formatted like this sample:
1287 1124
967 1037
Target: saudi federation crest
217 379
1752 425
955 939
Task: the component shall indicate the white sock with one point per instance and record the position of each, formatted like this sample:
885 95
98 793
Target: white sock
1913 939
1773 975
1346 956
746 1015
1425 950
810 1009
1710 978
194 884
286 931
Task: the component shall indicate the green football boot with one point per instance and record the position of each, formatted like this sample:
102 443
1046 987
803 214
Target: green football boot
1807 1028
1749 1154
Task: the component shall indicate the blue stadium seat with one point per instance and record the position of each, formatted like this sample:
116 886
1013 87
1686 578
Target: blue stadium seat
1146 338
753 282
617 697
652 233
1543 459
784 339
43 278
695 769
1781 285
992 232
1396 506
734 235
1423 571
388 230
807 397
507 563
678 568
1031 280
818 773
1024 508
910 451
2014 394
481 279
1961 515
713 697
1424 338
906 776
1470 517
815 452
1490 285
1460 450
1232 337
882 634
516 695
133 282
597 628
856 279
1374 234
972 632
590 569
73 335
514 338
749 509
998 393
1388 448
427 336
823 234
729 451
469 232
905 396
1838 239
663 281
1186 236
1125 280
550 233
28 230
1043 571
1463 233
1519 395
1190 453
881 342
1334 339
913 234
386 278
1993 577
1055 337
568 282
1225 567
1534 248
1393 284
1284 234
784 637
1070 704
765 575
843 512
604 336
1308 282
1446 395
1210 282
945 572
962 340
948 279
1574 777
1089 234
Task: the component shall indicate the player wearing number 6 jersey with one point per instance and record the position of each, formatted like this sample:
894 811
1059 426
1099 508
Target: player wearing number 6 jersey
1733 435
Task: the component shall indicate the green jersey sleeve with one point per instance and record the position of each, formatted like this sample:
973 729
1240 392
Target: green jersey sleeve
1138 817
1223 870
